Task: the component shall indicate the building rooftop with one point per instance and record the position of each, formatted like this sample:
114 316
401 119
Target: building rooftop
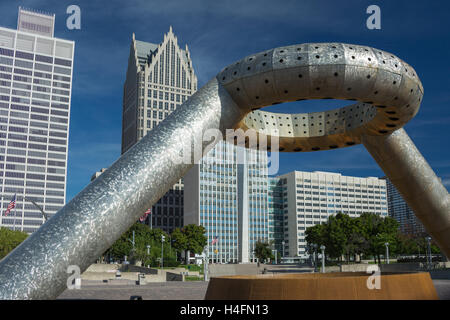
146 50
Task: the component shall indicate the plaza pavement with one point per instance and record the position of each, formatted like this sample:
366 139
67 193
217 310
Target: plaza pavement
190 290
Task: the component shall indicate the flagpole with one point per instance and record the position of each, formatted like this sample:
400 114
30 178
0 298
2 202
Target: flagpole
15 210
1 215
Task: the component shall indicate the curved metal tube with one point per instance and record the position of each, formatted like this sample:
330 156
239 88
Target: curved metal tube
389 92
407 169
90 223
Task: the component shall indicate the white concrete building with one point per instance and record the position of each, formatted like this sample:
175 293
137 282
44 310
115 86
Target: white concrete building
309 198
35 96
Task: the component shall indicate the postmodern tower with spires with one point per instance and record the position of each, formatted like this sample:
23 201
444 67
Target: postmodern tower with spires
159 78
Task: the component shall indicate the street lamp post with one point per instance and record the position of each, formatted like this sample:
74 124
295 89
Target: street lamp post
282 250
276 254
39 208
148 253
162 251
322 247
387 252
205 263
311 252
315 256
430 260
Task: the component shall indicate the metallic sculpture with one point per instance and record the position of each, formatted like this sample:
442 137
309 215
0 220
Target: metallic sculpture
389 94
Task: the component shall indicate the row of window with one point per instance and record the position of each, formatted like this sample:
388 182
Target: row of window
30 160
174 97
61 74
36 57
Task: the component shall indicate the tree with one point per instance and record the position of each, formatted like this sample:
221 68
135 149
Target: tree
143 236
179 239
316 234
377 231
262 251
180 242
9 240
344 235
195 238
337 229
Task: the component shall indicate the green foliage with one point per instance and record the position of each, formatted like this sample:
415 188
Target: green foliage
191 237
316 234
143 236
196 239
263 251
193 278
179 239
193 267
366 234
10 239
411 244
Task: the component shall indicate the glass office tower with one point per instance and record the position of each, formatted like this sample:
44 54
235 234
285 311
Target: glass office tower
400 211
276 213
230 199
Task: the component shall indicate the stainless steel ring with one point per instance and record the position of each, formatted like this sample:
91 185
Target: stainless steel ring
388 90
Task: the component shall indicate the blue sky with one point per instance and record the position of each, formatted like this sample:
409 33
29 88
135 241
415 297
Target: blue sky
221 32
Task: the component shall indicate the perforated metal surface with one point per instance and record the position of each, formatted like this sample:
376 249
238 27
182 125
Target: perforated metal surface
388 90
389 94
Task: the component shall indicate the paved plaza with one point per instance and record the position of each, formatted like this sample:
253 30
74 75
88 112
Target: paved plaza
194 290
175 290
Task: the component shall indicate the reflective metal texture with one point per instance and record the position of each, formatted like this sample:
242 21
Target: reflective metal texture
388 89
416 181
90 223
389 93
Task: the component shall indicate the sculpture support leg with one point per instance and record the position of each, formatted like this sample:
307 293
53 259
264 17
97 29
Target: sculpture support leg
90 223
410 173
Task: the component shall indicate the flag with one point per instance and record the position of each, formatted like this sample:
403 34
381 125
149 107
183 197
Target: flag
142 219
215 240
11 205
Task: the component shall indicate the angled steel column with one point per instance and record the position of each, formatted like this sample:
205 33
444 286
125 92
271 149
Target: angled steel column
410 173
90 223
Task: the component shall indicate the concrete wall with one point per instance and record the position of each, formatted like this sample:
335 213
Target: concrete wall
395 267
133 268
217 270
102 267
101 276
170 276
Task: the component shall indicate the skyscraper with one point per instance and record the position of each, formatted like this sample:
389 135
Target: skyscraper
400 211
159 78
276 213
230 199
35 95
